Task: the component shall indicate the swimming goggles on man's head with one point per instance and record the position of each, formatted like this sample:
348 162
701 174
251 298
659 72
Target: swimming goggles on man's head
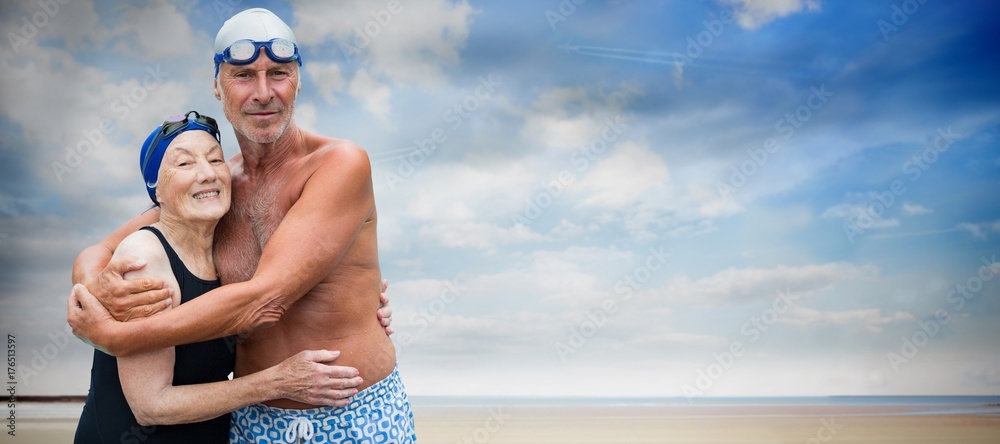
244 52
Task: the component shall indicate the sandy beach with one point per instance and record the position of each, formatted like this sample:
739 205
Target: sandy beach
592 424
651 425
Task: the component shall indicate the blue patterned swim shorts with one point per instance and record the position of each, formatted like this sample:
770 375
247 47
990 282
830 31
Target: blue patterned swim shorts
379 414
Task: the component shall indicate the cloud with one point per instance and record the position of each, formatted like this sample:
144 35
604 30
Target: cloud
460 204
130 103
753 14
524 309
677 211
410 45
742 285
371 92
617 181
568 118
305 115
868 319
75 24
860 214
509 308
457 337
143 31
981 230
477 235
678 75
987 376
915 210
488 236
328 79
453 192
589 132
674 338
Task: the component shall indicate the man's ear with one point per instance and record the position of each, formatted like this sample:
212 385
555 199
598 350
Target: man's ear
215 88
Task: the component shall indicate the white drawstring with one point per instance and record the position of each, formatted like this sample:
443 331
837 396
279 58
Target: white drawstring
299 427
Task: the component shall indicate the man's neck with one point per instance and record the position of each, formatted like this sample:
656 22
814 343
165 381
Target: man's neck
260 158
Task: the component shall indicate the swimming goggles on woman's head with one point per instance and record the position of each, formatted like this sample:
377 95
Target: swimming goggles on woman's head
244 52
175 125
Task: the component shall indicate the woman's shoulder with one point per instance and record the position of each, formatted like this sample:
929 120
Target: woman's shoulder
142 244
146 246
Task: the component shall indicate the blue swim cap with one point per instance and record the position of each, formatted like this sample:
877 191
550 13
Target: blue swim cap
156 145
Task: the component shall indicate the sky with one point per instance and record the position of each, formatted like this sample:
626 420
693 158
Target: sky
610 198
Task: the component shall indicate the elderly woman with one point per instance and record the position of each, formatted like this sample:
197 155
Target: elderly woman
188 386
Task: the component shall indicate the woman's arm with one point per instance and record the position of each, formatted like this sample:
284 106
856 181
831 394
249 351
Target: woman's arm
147 382
126 300
93 259
147 378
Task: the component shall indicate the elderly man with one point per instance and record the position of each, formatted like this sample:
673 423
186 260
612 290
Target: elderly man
297 252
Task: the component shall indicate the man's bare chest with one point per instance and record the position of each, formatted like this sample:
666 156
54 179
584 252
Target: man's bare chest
255 213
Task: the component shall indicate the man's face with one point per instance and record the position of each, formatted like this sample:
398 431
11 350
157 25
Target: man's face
258 98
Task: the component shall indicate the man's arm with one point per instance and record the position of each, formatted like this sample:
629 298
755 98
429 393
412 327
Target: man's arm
311 239
124 299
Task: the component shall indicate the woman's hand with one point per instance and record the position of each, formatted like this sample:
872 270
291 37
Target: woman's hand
385 311
310 377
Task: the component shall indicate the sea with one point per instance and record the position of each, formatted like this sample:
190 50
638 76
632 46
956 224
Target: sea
704 406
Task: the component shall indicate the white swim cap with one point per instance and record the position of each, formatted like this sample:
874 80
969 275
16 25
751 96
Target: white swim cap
257 24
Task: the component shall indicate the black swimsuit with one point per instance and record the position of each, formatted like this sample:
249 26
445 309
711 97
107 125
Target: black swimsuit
107 417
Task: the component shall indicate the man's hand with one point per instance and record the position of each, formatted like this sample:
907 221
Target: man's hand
385 312
128 299
87 316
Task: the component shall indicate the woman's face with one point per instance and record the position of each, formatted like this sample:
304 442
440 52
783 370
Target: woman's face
194 182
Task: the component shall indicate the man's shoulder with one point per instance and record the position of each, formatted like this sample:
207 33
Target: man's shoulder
340 154
325 144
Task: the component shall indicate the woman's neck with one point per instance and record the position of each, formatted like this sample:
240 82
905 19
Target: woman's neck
192 240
